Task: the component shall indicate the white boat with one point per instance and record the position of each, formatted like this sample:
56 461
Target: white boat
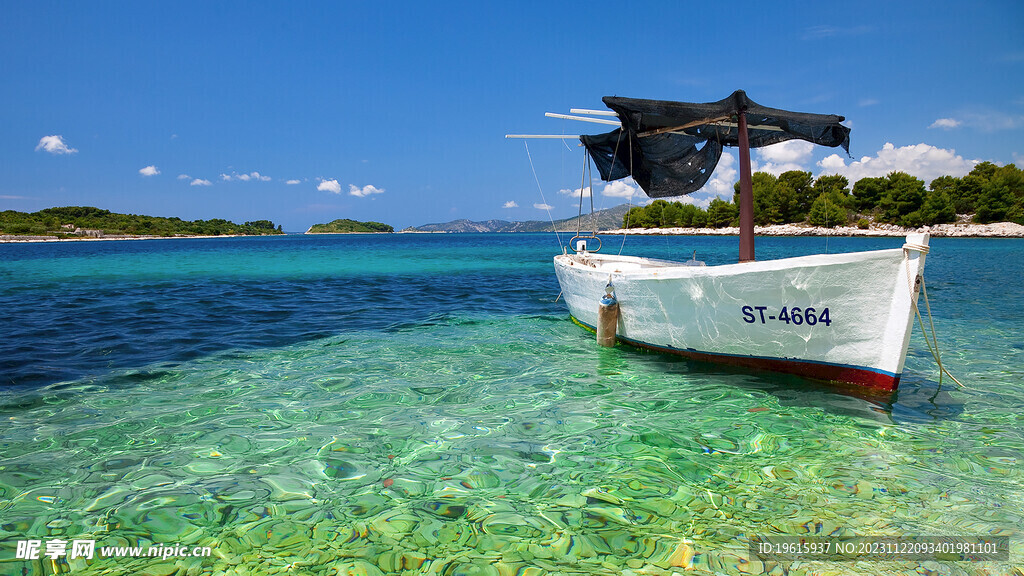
838 317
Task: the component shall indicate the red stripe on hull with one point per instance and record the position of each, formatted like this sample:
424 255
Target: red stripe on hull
858 378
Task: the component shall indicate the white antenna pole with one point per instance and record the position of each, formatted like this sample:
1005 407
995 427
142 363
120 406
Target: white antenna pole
583 119
592 112
562 136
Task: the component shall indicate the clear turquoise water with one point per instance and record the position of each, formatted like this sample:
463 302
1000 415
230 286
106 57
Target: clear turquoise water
417 403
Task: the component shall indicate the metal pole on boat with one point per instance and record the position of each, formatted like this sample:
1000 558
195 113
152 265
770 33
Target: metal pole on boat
746 194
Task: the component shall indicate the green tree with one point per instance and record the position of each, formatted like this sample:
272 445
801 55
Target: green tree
938 208
867 193
261 224
1002 197
670 214
653 211
947 184
829 210
721 213
700 218
766 209
904 197
688 215
832 183
53 220
802 185
972 186
633 217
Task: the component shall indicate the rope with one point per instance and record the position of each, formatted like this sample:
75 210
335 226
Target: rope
583 186
828 231
629 201
590 183
932 341
933 346
922 248
546 209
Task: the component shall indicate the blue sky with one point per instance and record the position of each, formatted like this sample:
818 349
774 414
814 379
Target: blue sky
396 111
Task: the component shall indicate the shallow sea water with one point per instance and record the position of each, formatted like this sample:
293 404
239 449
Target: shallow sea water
422 404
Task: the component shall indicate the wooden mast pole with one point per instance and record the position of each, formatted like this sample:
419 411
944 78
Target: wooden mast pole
746 194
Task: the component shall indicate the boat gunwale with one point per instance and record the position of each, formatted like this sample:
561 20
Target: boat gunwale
666 269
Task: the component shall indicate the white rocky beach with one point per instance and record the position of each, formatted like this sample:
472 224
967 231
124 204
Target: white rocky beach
957 230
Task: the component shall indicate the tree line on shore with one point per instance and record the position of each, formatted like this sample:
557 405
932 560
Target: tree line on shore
348 226
62 222
991 193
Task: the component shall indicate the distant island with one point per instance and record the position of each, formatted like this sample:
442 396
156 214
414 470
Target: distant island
346 226
601 220
87 222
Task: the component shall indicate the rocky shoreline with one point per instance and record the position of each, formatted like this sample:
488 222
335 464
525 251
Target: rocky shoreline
958 230
12 238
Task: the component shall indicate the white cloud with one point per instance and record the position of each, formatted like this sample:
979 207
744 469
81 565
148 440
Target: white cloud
577 193
922 161
149 171
981 119
783 157
364 191
825 31
946 123
54 145
200 182
511 204
329 186
543 206
992 121
183 176
865 102
292 182
245 177
624 188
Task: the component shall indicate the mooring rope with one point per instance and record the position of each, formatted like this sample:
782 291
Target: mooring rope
546 207
933 343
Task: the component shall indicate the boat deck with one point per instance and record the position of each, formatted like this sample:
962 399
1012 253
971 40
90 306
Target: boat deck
617 263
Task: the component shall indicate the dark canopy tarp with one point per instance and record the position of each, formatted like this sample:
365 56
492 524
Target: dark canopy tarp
671 148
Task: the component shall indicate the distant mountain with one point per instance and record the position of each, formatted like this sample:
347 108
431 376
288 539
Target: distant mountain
610 218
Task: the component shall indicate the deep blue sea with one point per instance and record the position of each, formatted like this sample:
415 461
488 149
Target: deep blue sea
412 403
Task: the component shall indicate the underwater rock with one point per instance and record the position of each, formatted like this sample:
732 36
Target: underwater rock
508 524
354 568
162 569
445 509
602 495
340 469
481 479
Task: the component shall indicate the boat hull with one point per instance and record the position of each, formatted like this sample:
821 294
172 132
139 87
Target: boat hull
843 317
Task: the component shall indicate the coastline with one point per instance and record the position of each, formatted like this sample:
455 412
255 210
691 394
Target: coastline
958 230
16 239
308 233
